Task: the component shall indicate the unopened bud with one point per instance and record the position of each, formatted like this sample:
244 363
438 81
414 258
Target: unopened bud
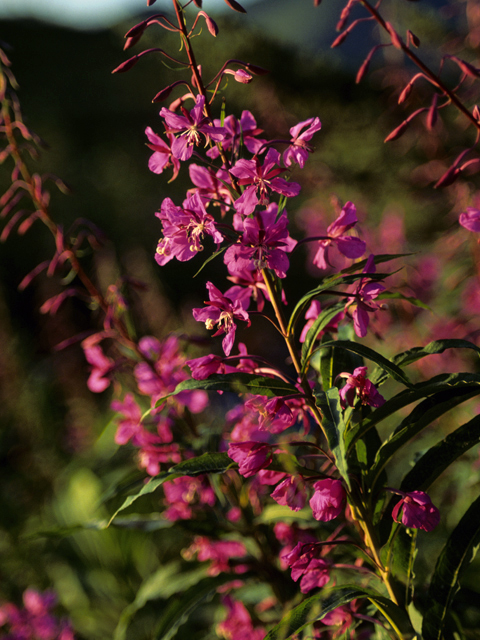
399 131
256 70
476 113
164 93
448 177
411 37
127 65
396 40
233 4
211 24
432 113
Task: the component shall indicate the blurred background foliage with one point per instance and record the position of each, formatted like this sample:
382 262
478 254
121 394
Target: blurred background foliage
57 456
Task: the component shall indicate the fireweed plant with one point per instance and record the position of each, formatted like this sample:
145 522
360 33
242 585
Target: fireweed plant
283 474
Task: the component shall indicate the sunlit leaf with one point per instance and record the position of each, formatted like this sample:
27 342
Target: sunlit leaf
326 316
387 365
334 427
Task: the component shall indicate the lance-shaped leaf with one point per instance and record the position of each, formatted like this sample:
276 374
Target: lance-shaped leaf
206 463
387 365
458 552
441 456
421 416
432 348
317 606
334 426
327 284
237 383
325 317
439 384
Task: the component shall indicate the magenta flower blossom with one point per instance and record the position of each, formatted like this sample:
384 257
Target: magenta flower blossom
184 496
102 367
162 155
264 244
291 492
35 620
238 623
305 562
298 150
210 186
183 229
358 386
470 219
250 456
361 302
418 511
220 552
350 246
274 415
222 312
312 314
244 130
329 499
189 126
260 180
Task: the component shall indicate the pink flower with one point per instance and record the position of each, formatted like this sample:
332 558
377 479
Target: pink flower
183 229
298 150
306 563
162 155
238 623
245 131
418 511
260 180
358 386
250 456
222 311
291 492
102 366
361 301
190 125
264 244
220 552
329 499
312 314
470 219
350 246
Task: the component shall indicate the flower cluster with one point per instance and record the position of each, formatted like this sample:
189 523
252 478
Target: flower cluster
35 620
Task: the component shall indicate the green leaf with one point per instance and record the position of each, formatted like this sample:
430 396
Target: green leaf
394 295
387 365
432 348
179 608
317 606
441 456
237 383
218 252
380 259
439 384
206 463
458 552
320 323
422 415
328 283
335 427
